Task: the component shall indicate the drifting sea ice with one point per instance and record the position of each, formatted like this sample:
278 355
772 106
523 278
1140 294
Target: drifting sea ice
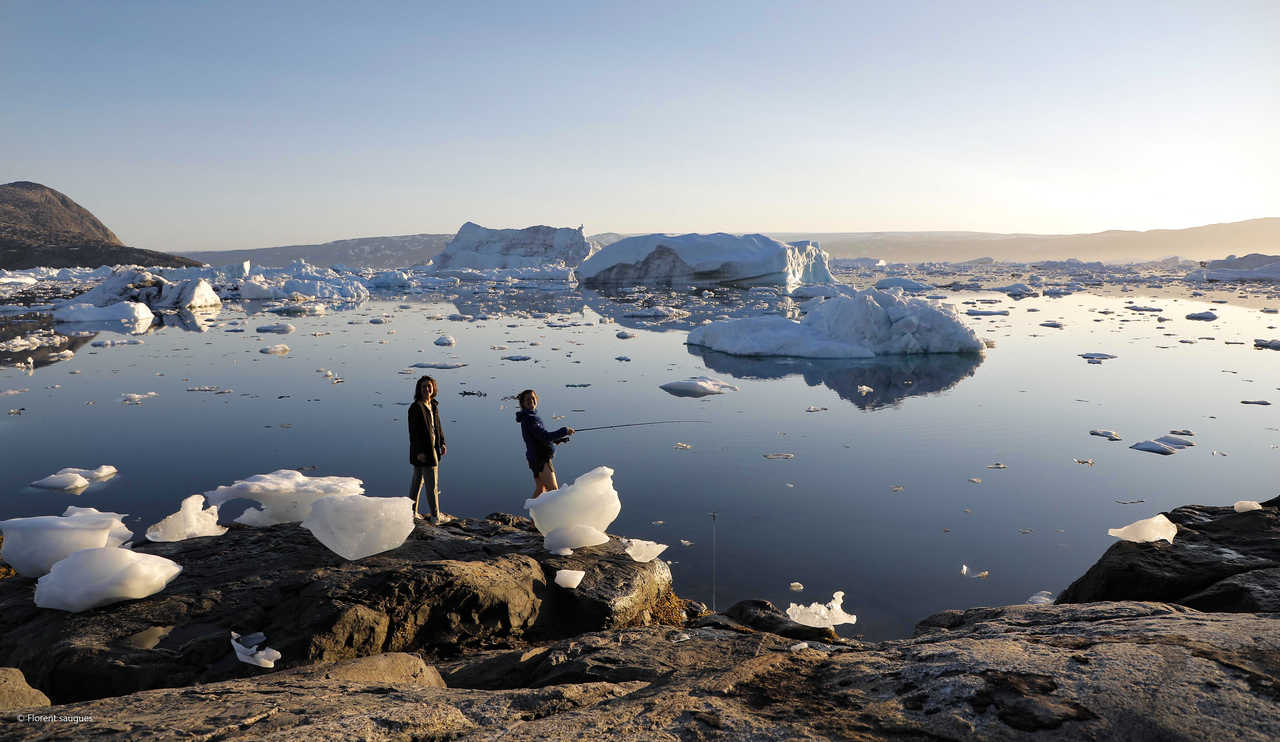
355 526
247 650
643 551
192 520
1110 435
126 311
91 578
275 350
863 325
286 495
281 328
576 516
33 545
1202 316
816 614
1154 447
1244 506
1173 441
569 578
445 340
62 481
1155 528
697 386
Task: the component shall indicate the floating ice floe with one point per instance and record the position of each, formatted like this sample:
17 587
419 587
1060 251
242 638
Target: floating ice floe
442 365
281 328
643 551
114 343
1096 358
1251 267
1154 447
251 649
1174 442
816 614
986 312
1202 316
129 312
192 520
286 495
1244 506
355 526
33 545
569 578
624 335
1044 597
275 350
1261 402
444 340
665 259
1266 344
71 478
94 577
1155 528
1110 435
697 386
902 282
796 587
1052 323
576 516
864 325
479 248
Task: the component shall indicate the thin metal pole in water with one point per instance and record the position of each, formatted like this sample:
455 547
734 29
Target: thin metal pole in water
713 560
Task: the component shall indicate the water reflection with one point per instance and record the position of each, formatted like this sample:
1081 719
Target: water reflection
655 309
889 378
498 301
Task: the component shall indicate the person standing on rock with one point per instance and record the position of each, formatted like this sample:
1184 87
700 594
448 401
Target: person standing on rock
426 448
538 448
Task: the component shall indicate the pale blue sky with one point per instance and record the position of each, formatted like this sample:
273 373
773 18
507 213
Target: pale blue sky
197 126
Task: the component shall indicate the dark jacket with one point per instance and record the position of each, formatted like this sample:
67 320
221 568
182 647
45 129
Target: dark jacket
537 439
426 435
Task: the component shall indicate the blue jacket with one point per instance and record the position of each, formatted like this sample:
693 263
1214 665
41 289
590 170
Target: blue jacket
537 439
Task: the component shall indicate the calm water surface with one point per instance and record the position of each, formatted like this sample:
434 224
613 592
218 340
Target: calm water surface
828 518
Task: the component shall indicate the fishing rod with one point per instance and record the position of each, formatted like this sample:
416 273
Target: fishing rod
629 425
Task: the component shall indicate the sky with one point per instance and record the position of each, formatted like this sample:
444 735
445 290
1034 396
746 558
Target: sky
190 126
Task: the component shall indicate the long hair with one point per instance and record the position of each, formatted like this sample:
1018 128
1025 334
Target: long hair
417 390
526 394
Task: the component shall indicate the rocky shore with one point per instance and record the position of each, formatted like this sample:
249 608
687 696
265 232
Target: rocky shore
462 634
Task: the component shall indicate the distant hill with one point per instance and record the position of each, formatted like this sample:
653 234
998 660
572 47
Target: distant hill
42 227
360 252
1197 243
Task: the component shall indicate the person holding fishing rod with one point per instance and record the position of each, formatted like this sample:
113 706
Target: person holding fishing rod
538 448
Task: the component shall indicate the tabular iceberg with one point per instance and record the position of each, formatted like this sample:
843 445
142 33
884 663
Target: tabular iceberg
96 577
484 249
33 545
191 521
665 259
577 515
286 495
864 325
355 526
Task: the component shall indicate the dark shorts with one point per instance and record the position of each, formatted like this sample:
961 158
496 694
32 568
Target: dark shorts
536 466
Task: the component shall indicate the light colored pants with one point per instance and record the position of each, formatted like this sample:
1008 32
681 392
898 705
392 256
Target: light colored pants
430 476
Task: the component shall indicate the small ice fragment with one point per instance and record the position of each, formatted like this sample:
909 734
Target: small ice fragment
1202 316
1174 441
1155 528
1044 597
975 480
817 614
275 350
1153 447
192 520
796 587
577 515
997 465
682 446
444 340
1216 452
247 651
95 577
569 578
624 335
1255 401
281 328
684 542
1097 356
643 551
1110 435
864 390
799 646
137 398
62 481
1086 462
896 488
1182 432
779 456
811 408
697 386
516 358
1244 506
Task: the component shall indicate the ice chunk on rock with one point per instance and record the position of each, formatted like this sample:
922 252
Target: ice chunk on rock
91 578
864 325
817 614
643 551
33 545
247 649
1044 597
1244 506
697 386
355 526
192 520
1154 528
569 578
286 495
578 515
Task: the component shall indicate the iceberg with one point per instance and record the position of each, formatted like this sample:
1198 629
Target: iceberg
479 248
33 545
865 324
720 258
569 578
63 480
1251 267
128 312
577 515
697 386
355 526
1206 316
91 578
286 495
816 614
151 290
192 520
1155 528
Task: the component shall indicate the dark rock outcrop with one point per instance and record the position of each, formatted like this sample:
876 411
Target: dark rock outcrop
1220 560
1132 671
42 227
16 694
472 584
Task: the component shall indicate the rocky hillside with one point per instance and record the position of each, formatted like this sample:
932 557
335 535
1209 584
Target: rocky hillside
42 227
396 251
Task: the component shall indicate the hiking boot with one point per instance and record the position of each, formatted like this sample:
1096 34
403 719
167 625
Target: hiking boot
418 516
441 519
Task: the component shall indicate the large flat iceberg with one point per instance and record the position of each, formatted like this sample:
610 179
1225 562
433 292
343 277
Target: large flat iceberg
485 249
863 325
666 259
